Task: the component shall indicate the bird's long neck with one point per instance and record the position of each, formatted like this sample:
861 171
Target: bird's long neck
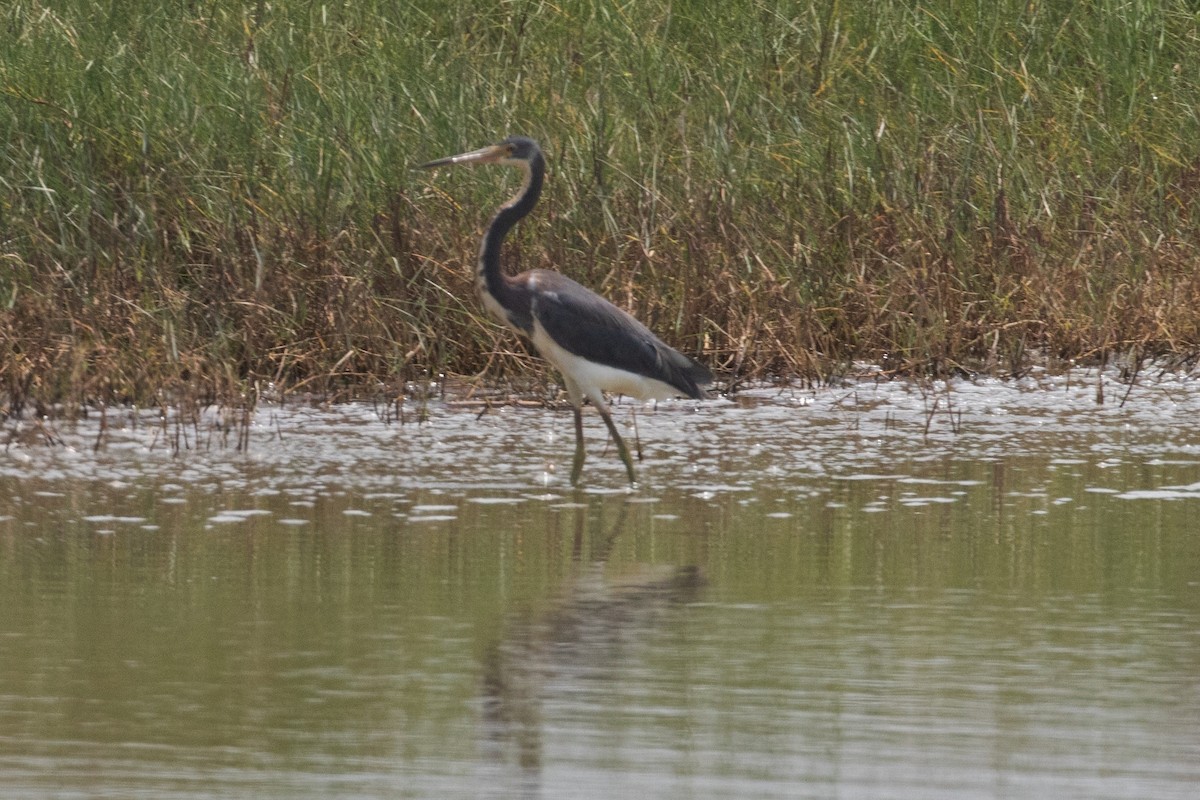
489 274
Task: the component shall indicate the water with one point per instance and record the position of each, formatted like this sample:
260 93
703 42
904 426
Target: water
981 590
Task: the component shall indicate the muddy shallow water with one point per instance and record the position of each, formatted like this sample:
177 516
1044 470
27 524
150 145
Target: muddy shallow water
977 590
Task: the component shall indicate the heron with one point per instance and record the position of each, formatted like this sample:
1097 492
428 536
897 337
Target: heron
595 346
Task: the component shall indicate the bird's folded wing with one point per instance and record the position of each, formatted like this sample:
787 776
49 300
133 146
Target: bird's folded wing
590 327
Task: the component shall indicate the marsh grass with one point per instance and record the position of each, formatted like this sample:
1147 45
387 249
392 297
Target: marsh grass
216 200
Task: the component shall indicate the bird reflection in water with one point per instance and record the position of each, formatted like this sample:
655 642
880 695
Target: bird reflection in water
582 639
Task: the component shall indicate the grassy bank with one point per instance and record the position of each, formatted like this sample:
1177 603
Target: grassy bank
216 199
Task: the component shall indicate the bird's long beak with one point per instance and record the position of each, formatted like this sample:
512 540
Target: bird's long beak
484 155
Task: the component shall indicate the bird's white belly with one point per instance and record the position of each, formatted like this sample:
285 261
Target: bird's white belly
593 379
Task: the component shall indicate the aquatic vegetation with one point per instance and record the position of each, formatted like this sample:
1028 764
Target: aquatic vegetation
214 201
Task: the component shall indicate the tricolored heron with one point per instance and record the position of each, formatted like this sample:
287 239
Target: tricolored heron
595 345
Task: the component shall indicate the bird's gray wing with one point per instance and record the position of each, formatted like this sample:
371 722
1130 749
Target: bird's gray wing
587 325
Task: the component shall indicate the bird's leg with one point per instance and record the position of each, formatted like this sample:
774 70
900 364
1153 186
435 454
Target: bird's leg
577 467
621 448
637 437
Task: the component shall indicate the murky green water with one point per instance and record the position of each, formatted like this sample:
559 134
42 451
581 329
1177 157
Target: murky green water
830 594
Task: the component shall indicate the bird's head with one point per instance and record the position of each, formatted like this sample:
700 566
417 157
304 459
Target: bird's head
513 150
